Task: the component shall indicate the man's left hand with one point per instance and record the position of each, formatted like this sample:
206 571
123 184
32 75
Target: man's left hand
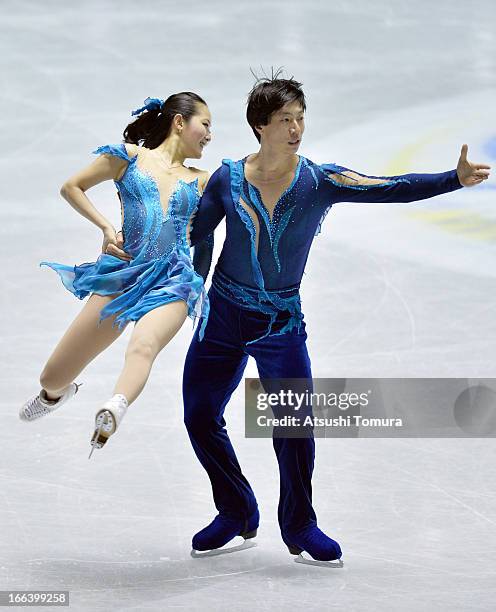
470 174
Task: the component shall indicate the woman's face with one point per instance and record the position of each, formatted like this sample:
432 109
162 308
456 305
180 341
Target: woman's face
196 132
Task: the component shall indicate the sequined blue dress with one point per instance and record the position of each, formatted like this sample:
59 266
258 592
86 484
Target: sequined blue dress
161 270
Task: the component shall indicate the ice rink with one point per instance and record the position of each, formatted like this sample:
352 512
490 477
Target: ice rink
389 291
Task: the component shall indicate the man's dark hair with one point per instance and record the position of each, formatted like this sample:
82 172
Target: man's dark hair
270 94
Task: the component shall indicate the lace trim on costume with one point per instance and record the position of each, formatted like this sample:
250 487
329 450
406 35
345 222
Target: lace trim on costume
275 227
312 172
187 203
335 169
236 180
321 220
283 223
118 150
268 302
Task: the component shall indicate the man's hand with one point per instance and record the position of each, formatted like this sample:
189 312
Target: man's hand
470 174
114 247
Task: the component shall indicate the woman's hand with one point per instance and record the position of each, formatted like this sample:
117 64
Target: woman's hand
112 244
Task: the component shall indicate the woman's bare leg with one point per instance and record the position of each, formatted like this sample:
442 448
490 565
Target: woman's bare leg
81 343
151 333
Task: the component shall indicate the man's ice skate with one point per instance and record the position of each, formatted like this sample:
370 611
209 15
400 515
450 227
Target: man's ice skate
319 548
213 539
107 420
40 405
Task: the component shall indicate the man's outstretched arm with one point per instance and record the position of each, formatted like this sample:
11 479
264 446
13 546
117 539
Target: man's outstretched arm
350 186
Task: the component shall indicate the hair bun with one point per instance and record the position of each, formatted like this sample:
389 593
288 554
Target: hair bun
149 105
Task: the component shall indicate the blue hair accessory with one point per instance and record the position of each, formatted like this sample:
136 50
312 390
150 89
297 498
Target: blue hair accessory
149 104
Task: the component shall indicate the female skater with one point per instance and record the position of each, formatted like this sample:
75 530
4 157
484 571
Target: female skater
155 285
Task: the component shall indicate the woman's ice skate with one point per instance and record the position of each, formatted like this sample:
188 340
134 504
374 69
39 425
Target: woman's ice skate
40 405
107 420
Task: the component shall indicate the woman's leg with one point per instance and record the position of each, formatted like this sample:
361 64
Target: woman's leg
151 333
81 343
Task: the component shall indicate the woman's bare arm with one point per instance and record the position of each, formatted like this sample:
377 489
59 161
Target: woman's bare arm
104 168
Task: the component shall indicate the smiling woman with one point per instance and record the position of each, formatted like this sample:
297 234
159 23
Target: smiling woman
153 281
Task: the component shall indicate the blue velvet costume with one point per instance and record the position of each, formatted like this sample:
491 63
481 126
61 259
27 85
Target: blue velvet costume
256 310
161 270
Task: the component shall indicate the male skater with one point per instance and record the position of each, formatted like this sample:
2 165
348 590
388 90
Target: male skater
274 202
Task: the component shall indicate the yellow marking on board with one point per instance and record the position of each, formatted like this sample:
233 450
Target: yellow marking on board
402 162
464 222
438 215
469 224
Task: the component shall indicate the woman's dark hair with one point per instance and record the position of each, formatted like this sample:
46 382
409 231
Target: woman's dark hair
152 127
270 94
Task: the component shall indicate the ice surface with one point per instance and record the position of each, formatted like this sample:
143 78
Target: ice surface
405 290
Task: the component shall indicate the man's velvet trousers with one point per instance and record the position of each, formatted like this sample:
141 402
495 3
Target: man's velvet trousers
214 368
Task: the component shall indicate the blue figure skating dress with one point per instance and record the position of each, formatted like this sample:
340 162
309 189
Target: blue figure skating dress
155 236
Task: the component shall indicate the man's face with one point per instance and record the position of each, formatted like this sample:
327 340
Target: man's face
285 128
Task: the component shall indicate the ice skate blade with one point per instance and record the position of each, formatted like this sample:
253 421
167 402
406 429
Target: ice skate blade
224 550
336 563
104 425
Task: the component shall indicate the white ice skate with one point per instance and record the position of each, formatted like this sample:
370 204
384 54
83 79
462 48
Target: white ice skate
107 420
40 405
